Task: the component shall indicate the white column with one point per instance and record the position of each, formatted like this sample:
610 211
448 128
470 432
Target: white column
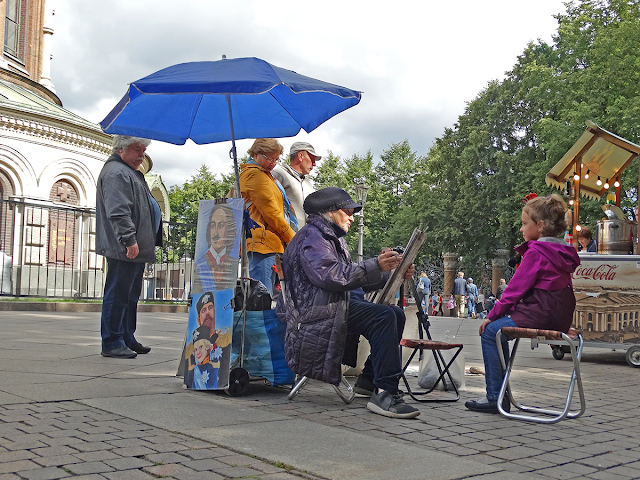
47 31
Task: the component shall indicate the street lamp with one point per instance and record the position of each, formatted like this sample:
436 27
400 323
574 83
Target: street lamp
361 198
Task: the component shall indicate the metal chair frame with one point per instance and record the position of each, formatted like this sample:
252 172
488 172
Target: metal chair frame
575 345
302 381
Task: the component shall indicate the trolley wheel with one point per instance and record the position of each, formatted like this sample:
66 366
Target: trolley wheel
557 352
238 382
633 356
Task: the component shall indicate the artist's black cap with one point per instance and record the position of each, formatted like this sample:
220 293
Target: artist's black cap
328 200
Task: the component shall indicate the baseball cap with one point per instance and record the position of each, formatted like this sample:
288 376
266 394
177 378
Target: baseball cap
306 147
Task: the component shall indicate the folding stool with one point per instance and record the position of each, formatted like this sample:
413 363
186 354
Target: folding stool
575 342
421 344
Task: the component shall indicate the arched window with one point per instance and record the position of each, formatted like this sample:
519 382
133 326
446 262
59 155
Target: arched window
62 224
625 317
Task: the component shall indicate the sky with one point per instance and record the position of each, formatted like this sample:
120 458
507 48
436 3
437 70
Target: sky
418 63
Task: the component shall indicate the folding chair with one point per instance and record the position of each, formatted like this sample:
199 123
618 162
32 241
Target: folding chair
575 342
302 381
435 347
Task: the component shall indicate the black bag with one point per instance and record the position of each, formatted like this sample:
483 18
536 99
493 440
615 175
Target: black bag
479 307
258 300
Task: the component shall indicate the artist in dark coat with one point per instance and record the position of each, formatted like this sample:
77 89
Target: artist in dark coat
320 308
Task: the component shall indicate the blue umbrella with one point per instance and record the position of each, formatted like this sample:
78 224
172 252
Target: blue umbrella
229 99
232 99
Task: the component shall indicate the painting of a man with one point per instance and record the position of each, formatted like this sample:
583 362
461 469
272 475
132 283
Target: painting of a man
208 349
215 268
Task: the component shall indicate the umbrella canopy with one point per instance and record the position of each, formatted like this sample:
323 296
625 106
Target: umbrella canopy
229 99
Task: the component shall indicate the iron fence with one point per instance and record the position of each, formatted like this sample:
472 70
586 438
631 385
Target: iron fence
49 251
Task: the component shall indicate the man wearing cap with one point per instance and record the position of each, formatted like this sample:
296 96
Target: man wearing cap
205 306
324 304
294 176
206 311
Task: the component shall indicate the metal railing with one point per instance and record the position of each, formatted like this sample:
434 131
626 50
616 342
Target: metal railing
49 251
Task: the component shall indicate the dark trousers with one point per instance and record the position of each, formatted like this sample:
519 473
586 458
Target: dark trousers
120 303
383 326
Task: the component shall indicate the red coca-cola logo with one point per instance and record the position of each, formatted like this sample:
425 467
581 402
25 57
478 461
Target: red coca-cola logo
601 272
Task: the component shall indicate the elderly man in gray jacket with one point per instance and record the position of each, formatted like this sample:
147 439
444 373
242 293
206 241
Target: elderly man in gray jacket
294 177
127 230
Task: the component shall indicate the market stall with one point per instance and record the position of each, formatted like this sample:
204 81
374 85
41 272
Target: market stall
607 283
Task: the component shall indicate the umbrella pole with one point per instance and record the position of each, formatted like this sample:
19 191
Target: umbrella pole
244 262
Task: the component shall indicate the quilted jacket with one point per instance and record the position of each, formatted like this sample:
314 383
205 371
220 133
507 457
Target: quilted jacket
318 276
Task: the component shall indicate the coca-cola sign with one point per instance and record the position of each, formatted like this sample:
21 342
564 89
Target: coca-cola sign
590 271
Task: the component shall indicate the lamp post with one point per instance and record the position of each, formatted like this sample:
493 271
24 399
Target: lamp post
361 198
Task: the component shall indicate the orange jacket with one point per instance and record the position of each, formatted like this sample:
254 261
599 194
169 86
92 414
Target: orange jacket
266 207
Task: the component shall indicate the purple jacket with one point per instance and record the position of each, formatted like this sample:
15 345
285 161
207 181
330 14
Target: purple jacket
540 294
319 275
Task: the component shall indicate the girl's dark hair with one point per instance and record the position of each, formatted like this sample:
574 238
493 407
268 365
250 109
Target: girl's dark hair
551 211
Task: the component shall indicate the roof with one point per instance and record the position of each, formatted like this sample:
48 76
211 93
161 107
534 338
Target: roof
603 155
16 97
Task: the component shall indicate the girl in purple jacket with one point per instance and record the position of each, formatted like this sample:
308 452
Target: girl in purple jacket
540 294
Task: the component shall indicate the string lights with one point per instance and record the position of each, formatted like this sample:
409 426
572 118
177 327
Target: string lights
586 175
606 184
599 182
616 183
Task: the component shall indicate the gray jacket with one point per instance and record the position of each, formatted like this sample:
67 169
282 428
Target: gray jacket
297 187
124 213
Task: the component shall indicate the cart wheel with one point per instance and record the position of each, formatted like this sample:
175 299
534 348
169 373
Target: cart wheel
238 382
633 356
557 352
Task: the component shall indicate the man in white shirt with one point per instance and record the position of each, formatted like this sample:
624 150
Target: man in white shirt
293 177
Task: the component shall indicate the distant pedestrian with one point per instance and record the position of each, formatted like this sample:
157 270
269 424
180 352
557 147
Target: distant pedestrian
424 287
472 297
460 293
128 229
501 288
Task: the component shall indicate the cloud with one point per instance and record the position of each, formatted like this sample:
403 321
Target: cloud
417 62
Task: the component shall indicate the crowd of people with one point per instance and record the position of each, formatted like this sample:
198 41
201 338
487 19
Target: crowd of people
323 302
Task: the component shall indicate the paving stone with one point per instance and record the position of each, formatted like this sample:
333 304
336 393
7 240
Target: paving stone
133 451
88 467
96 456
166 458
11 456
206 453
129 475
237 472
49 473
181 472
18 466
205 464
127 463
53 451
56 460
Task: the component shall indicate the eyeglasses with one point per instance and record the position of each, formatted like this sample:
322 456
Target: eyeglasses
270 160
348 211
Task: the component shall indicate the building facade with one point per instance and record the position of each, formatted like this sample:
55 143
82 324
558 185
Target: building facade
50 160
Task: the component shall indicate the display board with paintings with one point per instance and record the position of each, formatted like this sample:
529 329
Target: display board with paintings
207 350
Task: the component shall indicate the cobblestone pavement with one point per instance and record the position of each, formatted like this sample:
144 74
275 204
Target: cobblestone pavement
46 432
46 441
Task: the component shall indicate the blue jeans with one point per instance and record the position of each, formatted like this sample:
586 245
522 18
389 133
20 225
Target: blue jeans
471 306
494 374
383 326
261 268
122 290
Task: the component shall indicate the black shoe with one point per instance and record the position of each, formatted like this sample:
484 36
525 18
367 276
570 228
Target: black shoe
139 348
487 406
391 405
120 352
364 386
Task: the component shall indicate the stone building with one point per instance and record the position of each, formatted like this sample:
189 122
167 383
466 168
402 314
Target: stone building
50 160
